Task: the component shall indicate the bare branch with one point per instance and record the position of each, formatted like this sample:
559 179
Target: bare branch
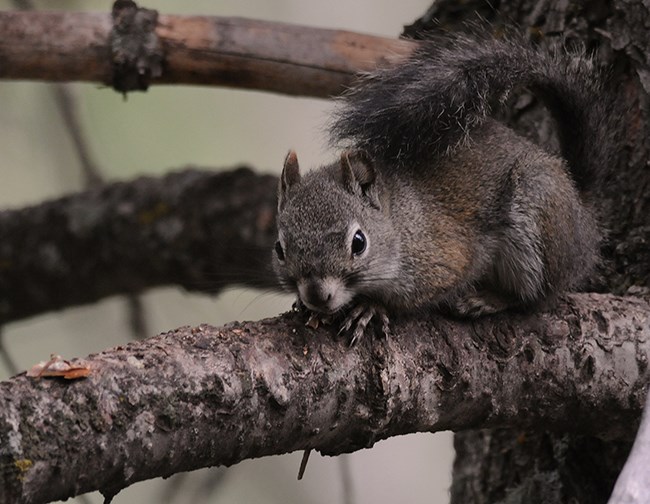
198 229
234 52
254 389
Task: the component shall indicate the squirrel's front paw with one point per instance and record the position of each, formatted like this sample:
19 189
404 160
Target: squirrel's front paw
357 320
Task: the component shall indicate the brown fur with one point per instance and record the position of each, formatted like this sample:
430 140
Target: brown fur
436 204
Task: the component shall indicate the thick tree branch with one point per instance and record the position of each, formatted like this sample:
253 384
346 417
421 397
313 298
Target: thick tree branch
243 53
253 389
198 229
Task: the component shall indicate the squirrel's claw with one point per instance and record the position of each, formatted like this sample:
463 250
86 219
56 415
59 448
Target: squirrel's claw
359 318
298 306
317 319
314 319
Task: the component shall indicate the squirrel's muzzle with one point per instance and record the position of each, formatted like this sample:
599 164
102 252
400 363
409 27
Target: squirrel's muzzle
325 295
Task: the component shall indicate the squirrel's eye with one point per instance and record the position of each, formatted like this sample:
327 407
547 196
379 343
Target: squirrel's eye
279 251
358 243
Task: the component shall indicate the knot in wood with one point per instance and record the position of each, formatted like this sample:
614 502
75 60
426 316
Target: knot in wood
136 50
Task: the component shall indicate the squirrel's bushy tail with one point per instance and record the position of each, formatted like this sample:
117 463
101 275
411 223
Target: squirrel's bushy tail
428 104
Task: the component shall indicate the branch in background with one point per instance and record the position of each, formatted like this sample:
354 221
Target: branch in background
68 108
5 356
254 389
346 479
197 229
234 52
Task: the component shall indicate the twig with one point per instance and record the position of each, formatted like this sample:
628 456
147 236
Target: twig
68 109
8 360
303 462
204 491
347 485
137 317
234 52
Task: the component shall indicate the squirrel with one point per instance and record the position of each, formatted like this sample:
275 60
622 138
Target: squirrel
434 203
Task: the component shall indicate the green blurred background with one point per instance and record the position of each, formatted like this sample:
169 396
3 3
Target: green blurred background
166 128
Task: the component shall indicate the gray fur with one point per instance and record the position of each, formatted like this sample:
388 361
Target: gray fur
404 115
458 211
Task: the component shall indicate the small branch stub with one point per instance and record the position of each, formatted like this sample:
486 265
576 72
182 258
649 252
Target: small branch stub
136 50
130 49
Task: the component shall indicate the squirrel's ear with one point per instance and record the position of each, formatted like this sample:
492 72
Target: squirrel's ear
358 174
290 176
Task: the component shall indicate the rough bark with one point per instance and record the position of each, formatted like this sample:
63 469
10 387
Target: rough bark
253 389
197 229
549 468
242 53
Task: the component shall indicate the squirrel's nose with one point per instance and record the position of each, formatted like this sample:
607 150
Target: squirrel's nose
316 294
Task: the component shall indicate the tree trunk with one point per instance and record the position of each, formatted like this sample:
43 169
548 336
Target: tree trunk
502 466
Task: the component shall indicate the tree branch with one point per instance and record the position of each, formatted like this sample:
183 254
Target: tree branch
198 229
235 52
254 389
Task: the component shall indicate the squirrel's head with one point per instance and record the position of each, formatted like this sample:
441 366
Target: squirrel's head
335 237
